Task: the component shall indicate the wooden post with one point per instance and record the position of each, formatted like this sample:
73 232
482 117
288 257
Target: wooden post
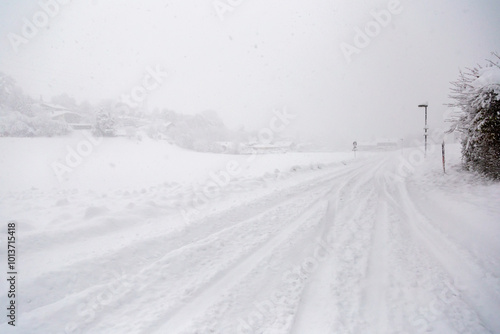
442 150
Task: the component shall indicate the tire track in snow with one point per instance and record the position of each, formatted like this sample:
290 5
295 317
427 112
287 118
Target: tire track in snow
436 271
349 232
122 286
273 199
206 298
479 288
323 298
375 309
283 307
224 258
141 254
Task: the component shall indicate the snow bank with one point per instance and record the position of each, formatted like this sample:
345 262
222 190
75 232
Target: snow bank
471 201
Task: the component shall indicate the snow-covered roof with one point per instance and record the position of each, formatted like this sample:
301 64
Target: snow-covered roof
275 145
52 106
56 113
379 141
388 140
367 143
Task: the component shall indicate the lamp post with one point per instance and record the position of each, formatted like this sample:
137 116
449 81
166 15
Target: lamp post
425 128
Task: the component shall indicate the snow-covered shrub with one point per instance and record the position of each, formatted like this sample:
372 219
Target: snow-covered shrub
43 126
14 127
18 125
476 96
105 124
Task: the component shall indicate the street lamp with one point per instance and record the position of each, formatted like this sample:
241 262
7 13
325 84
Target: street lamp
425 128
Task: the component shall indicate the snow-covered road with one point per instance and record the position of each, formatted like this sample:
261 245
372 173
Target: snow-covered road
355 248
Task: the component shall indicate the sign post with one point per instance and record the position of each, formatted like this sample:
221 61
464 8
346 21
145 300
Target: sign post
425 105
354 148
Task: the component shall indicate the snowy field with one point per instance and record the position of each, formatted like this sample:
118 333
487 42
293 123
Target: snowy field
121 236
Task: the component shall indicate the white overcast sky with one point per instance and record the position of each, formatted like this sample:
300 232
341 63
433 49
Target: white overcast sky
264 54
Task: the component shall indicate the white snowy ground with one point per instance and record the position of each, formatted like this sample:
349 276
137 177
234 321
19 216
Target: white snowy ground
139 238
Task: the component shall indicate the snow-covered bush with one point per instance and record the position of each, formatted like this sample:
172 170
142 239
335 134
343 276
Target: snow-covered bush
14 127
18 125
105 124
476 96
43 126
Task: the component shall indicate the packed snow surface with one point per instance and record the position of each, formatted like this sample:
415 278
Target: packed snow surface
143 237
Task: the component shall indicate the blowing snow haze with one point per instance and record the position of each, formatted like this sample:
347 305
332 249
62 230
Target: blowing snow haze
347 69
249 166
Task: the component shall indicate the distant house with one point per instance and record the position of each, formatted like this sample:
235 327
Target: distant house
66 116
49 107
367 146
379 145
258 148
60 113
388 144
129 126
